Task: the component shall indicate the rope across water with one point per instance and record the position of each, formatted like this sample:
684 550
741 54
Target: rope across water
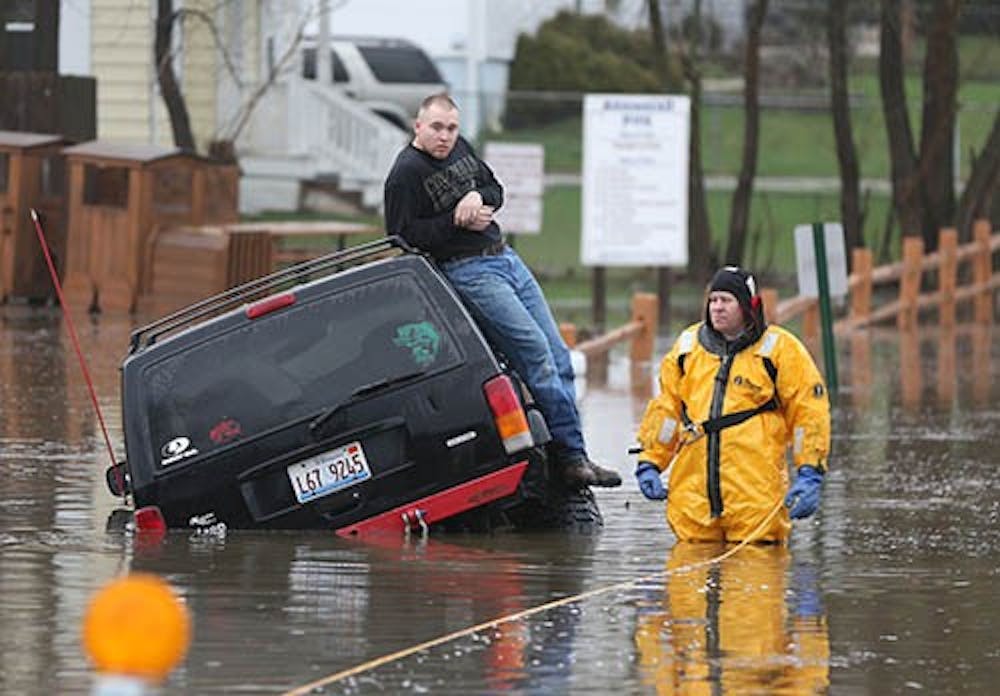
493 623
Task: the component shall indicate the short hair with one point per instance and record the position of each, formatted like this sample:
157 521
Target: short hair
440 98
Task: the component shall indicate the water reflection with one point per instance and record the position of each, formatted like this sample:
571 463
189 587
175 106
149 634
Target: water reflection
746 624
956 361
341 604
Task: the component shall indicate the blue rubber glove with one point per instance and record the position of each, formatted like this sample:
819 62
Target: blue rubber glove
803 496
650 484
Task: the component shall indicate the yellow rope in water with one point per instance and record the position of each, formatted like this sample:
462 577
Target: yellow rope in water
426 645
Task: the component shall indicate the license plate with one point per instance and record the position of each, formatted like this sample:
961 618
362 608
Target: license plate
329 472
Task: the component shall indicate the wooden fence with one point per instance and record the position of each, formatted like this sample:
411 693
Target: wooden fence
924 281
940 288
189 263
640 330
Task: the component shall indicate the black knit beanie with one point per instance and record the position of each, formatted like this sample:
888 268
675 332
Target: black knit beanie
743 286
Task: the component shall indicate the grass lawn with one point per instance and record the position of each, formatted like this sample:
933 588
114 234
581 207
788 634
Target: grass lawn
773 217
793 142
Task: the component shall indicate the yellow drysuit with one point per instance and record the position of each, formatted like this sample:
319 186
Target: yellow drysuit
725 482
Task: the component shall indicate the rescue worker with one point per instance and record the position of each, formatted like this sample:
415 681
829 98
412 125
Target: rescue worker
734 394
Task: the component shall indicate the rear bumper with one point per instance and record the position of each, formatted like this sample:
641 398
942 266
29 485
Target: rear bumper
442 505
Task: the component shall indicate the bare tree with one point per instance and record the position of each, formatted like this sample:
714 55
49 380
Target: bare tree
739 214
937 128
224 137
231 131
702 256
981 188
180 121
659 42
851 214
904 169
923 181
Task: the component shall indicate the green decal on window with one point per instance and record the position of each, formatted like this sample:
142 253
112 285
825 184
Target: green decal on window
421 338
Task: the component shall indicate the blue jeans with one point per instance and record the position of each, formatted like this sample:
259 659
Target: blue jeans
507 303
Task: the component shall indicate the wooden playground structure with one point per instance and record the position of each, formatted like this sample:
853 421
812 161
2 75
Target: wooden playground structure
188 263
135 227
31 176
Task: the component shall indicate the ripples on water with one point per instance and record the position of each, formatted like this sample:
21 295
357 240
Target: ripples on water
888 590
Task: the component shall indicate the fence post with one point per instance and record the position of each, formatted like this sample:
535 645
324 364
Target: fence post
911 381
909 282
568 332
810 326
946 366
981 270
769 296
861 293
981 382
861 369
947 275
197 200
646 311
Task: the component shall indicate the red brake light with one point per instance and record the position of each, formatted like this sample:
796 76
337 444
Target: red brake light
270 304
508 414
149 520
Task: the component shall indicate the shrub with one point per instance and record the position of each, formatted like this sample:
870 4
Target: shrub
577 54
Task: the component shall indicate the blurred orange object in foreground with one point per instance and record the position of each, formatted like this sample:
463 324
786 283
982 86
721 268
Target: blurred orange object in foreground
137 626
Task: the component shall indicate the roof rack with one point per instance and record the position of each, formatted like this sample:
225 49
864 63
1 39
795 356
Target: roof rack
146 335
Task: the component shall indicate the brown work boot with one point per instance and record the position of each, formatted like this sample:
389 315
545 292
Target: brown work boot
580 471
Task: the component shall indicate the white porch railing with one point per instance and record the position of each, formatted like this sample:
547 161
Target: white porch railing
301 131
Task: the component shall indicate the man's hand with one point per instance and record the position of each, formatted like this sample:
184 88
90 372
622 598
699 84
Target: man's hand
483 219
467 210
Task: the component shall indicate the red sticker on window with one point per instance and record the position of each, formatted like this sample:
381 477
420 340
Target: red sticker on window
225 431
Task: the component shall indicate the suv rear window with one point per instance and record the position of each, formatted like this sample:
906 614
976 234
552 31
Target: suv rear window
294 363
400 64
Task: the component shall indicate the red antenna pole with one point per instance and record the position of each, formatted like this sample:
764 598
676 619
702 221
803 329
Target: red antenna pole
73 338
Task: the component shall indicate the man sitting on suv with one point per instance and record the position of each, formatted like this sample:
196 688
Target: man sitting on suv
440 197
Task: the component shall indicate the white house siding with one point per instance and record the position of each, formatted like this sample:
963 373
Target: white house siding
121 56
239 25
199 73
121 60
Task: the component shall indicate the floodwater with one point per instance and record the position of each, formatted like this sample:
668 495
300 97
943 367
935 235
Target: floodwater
889 589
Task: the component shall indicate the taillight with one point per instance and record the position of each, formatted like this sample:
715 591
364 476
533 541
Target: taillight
270 304
508 414
149 520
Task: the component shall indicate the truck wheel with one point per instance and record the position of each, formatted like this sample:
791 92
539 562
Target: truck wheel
574 510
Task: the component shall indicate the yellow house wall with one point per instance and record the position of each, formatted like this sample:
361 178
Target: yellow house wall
121 60
199 72
122 36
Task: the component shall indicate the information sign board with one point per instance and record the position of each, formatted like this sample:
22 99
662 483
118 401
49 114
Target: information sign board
635 180
520 168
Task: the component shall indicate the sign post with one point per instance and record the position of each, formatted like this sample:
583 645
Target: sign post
822 272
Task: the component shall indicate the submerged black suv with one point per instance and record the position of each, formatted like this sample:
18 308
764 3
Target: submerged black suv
352 392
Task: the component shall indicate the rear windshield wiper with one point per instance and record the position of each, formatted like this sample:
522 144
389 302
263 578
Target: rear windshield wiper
364 390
